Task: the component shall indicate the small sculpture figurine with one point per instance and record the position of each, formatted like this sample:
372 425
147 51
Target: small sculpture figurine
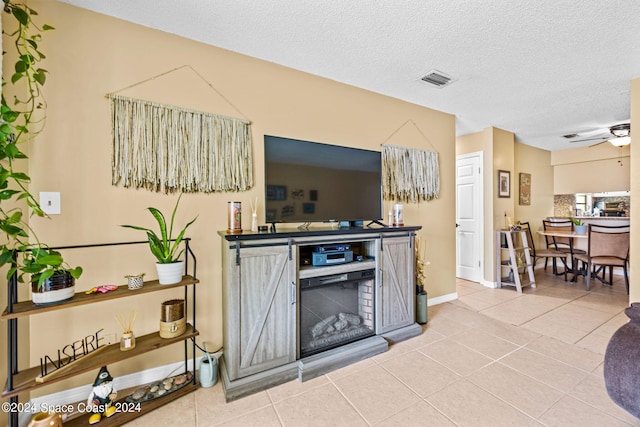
101 397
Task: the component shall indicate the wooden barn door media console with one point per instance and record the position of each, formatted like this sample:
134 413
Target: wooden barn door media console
298 304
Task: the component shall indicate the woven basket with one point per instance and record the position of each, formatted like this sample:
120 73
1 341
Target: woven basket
173 329
172 320
135 281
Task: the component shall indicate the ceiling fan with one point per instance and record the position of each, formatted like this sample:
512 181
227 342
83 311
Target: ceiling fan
617 135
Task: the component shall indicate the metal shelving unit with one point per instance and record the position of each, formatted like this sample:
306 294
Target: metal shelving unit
19 382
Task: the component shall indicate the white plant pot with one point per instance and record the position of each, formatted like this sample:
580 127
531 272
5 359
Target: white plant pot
170 273
580 229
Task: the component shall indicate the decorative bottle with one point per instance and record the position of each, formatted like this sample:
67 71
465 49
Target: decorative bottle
254 221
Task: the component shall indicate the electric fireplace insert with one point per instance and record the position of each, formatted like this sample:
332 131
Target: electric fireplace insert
336 310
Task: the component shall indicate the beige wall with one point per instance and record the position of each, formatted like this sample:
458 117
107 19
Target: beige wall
90 55
536 162
634 291
502 153
593 169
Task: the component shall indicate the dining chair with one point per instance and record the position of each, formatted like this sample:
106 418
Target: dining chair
545 253
563 244
608 247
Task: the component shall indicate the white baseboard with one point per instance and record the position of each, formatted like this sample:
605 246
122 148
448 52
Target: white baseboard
442 299
489 284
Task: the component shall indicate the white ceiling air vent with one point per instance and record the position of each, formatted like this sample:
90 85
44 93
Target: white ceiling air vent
437 78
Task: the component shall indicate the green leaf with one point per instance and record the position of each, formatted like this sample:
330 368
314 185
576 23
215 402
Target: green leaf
16 77
7 194
180 237
20 176
13 230
161 223
46 27
135 227
20 15
158 250
75 272
52 260
40 77
11 271
6 128
6 256
21 66
44 276
12 151
10 116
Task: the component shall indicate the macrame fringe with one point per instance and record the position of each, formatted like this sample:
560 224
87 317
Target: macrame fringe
166 148
409 175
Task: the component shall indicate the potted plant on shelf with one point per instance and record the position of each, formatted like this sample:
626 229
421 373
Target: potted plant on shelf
52 281
578 225
164 247
21 120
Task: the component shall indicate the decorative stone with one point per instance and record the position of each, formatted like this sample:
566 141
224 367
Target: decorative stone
139 393
622 363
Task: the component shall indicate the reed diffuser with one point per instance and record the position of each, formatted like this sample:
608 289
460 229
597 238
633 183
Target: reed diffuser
254 215
128 340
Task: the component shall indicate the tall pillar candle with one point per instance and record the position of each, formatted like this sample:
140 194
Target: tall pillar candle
234 217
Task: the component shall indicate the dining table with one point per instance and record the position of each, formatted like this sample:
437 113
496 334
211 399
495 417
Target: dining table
572 235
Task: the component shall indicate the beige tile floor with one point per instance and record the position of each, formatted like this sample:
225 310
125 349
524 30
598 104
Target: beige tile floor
492 358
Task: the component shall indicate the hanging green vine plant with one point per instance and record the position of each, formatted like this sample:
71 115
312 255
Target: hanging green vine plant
20 122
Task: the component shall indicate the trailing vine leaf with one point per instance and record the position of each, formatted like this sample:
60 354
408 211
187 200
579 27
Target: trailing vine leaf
19 124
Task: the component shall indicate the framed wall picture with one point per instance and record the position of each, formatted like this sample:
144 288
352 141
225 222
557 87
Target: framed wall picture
276 192
504 183
524 193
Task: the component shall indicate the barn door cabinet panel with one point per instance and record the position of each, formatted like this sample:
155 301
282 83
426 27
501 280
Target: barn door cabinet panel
259 307
396 287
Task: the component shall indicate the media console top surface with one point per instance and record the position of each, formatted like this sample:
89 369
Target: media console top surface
319 231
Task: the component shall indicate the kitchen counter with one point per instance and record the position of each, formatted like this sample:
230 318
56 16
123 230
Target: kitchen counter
606 218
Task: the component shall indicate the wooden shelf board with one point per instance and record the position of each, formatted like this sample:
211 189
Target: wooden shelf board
27 308
145 407
26 380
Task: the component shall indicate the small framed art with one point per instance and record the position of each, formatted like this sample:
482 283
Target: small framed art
504 183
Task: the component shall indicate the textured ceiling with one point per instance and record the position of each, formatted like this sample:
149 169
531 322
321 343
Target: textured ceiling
540 69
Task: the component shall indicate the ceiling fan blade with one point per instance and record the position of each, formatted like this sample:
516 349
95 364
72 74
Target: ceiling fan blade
601 138
598 143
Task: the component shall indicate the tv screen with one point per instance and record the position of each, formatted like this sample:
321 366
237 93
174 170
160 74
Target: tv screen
313 182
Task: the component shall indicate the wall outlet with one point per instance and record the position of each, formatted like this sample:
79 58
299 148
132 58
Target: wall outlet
50 202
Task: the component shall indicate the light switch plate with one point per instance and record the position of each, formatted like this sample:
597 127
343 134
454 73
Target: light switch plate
50 202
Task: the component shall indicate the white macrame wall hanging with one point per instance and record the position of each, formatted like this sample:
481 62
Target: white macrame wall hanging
409 175
167 148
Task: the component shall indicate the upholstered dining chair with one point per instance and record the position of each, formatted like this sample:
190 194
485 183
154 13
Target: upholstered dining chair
608 247
546 253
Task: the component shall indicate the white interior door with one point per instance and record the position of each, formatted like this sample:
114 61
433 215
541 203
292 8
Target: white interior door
469 218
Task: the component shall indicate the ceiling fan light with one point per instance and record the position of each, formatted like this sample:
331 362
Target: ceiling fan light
621 141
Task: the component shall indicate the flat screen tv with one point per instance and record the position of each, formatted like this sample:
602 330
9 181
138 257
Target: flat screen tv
315 182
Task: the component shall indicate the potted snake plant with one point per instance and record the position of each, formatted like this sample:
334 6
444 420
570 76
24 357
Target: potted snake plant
164 247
